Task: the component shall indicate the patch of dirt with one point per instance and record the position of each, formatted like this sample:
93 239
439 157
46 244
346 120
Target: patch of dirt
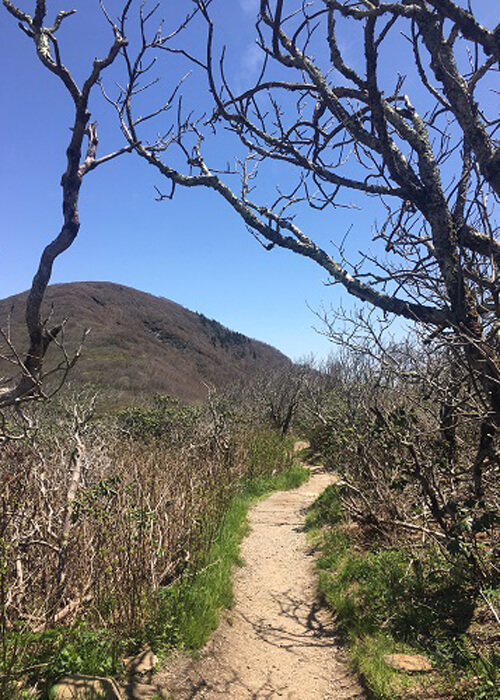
277 642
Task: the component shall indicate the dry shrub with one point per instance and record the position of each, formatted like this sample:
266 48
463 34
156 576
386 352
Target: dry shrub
94 522
410 441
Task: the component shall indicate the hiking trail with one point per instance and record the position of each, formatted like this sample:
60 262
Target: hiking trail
277 641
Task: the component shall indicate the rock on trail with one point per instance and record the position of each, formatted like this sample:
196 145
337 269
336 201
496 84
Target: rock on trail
277 641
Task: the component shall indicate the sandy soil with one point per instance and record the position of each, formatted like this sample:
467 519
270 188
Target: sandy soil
277 641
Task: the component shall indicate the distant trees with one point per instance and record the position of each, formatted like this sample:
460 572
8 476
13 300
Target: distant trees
351 123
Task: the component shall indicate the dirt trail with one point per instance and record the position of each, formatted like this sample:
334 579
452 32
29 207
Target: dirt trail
277 642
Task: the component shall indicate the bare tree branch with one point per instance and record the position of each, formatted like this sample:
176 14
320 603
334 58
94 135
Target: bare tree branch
40 337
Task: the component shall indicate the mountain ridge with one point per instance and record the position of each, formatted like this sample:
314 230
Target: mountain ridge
140 344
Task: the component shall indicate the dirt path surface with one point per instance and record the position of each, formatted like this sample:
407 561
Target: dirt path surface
277 642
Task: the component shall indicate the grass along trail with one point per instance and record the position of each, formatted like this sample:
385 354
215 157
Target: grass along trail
277 641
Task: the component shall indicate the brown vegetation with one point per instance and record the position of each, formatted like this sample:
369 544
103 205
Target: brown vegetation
140 344
102 522
404 434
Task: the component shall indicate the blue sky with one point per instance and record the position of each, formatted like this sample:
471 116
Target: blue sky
193 250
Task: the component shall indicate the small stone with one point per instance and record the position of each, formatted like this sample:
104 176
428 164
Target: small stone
85 688
300 445
142 663
411 663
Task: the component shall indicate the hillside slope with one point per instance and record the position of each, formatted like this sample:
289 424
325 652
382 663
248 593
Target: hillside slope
140 344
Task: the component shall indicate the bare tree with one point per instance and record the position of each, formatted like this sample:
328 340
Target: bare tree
431 159
278 395
30 383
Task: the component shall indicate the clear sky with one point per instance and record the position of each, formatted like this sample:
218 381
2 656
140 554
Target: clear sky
193 250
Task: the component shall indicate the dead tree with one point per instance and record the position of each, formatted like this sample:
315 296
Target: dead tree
279 393
79 163
431 158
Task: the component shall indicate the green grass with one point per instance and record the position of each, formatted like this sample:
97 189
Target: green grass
291 478
201 599
202 596
388 600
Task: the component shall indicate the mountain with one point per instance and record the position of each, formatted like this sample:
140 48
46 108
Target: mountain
140 344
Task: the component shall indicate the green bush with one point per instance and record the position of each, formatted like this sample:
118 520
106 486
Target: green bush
268 453
165 419
326 510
